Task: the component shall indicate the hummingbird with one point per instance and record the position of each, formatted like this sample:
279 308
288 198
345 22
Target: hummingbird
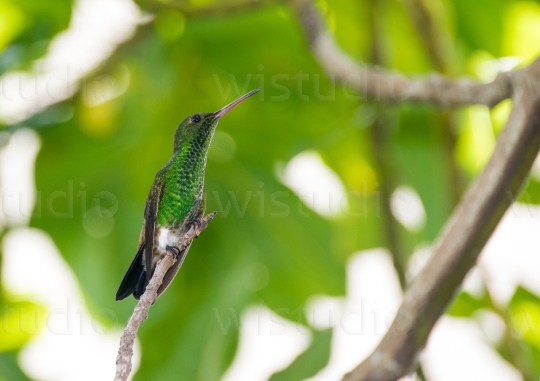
176 200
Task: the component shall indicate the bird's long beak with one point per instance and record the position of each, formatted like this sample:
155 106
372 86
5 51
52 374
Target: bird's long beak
230 106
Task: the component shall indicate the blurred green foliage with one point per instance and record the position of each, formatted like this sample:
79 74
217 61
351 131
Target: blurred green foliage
27 28
105 154
311 361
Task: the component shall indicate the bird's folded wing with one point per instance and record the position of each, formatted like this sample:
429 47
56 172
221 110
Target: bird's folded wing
150 215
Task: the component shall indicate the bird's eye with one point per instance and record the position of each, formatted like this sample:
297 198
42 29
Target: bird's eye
195 119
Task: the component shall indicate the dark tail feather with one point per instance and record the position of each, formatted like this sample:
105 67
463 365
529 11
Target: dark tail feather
131 282
140 288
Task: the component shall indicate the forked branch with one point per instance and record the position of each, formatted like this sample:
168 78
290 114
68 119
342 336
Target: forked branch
464 236
474 219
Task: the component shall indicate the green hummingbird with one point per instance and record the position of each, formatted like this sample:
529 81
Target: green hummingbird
176 200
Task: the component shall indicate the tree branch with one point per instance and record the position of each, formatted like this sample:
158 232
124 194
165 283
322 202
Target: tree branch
125 352
377 84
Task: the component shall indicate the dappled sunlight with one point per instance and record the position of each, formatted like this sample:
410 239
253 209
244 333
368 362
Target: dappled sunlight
373 297
17 161
522 30
510 258
457 350
477 139
316 184
268 343
407 208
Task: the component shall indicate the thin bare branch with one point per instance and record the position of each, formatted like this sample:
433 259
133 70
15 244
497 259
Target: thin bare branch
125 352
380 149
428 32
459 244
378 84
435 42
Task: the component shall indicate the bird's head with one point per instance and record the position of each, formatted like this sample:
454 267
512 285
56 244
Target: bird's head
198 129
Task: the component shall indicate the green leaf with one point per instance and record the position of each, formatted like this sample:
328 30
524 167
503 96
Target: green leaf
480 24
12 22
465 305
19 323
9 369
524 354
525 313
531 192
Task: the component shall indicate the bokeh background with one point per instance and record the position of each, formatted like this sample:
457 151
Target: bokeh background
326 201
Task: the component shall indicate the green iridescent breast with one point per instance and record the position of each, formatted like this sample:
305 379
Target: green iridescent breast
182 189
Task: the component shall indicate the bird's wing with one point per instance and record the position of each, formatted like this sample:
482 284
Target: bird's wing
150 215
171 273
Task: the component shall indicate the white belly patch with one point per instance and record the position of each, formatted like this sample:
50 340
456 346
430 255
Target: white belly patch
166 238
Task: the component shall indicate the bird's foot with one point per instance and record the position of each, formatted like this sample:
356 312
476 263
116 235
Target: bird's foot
173 250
